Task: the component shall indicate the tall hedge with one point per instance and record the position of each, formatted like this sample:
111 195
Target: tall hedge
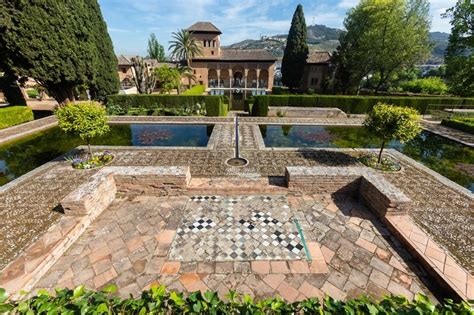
215 106
14 115
359 104
63 44
260 106
121 104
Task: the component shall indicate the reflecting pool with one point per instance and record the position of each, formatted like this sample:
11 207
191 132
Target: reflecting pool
23 155
449 158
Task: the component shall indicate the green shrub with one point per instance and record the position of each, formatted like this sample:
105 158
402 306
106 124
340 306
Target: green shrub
157 300
431 85
463 124
195 90
187 104
32 93
388 122
279 90
362 104
14 115
215 106
86 120
260 107
248 103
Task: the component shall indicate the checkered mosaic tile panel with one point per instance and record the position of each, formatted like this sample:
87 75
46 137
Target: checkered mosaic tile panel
218 228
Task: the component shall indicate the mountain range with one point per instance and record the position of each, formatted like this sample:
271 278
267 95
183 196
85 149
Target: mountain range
323 38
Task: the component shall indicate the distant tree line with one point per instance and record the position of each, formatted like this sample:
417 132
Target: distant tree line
382 43
64 45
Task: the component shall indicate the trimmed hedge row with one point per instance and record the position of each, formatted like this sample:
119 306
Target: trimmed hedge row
463 124
360 104
123 104
215 106
15 115
158 301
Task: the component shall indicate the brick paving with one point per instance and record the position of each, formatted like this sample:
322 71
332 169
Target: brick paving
352 254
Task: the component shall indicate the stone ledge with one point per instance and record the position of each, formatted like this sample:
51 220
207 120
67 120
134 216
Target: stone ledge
317 112
380 195
99 192
440 265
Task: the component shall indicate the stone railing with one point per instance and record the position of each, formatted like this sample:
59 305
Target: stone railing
97 194
379 195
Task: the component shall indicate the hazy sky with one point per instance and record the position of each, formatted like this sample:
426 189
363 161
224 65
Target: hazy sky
130 22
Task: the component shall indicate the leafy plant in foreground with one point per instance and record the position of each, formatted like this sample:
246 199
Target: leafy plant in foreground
157 300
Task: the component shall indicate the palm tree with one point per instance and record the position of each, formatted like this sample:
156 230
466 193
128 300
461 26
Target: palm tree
184 47
187 73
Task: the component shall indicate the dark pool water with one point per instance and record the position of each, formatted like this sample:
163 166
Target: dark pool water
449 158
19 157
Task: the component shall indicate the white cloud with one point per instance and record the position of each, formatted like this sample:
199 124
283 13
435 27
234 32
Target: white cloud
347 4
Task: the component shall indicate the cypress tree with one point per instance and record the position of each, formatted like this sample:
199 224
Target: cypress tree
296 51
105 79
62 44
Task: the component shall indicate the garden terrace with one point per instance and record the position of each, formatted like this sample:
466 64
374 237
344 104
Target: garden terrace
136 241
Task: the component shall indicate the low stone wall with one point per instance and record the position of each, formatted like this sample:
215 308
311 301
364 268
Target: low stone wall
170 181
314 112
380 195
99 192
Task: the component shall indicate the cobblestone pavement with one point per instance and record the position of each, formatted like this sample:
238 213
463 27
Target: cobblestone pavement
457 135
28 204
129 245
28 209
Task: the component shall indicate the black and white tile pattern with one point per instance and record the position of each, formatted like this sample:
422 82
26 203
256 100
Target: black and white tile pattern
218 228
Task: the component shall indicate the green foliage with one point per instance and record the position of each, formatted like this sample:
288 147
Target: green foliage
280 90
157 300
215 106
62 44
10 88
32 93
389 122
260 106
14 115
430 85
104 79
463 124
296 51
86 120
195 90
184 46
155 49
363 104
167 78
383 38
154 104
459 56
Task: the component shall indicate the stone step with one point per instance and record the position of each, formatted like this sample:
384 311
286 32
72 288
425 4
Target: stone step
237 186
